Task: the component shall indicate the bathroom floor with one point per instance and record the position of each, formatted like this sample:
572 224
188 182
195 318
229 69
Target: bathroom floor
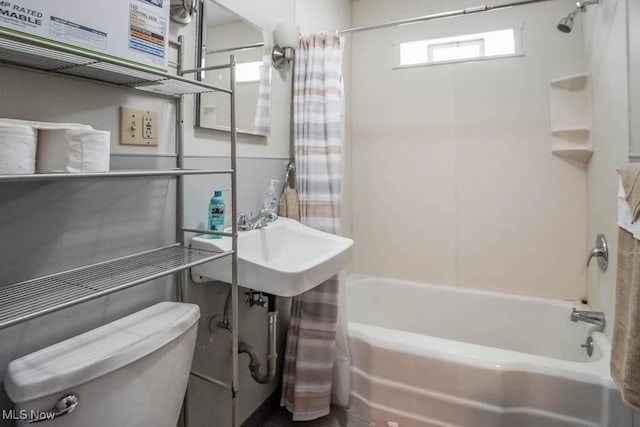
337 418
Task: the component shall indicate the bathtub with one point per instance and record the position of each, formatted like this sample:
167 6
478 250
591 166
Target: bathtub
425 355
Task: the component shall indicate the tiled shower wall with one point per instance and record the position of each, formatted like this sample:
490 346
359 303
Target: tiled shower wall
453 179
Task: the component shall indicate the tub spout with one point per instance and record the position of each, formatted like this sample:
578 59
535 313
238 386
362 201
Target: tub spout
593 317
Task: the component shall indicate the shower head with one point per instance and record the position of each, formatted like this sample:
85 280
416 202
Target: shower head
566 24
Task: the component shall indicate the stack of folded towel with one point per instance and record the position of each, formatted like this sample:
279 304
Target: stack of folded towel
625 354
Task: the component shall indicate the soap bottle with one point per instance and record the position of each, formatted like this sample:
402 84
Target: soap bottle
271 201
216 214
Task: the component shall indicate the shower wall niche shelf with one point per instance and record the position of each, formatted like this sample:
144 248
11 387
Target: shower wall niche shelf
573 82
570 110
581 154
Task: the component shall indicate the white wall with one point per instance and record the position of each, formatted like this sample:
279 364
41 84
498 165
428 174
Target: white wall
606 58
325 16
633 14
453 179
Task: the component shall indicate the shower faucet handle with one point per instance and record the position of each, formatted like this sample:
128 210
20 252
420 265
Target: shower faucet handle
601 252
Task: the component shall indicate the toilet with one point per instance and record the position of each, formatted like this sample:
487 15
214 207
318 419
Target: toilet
129 373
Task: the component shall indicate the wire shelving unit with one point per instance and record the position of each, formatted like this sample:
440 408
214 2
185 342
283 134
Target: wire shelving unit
26 300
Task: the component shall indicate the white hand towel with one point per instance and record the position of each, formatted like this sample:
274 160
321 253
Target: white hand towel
17 149
73 150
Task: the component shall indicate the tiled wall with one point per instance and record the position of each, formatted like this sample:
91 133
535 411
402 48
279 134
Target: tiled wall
453 179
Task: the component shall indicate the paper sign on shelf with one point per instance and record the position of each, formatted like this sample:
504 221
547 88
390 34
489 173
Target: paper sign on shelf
135 31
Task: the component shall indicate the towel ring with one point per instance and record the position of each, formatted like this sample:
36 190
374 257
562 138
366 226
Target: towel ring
289 174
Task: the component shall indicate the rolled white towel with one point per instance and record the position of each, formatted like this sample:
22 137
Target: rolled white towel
17 149
73 150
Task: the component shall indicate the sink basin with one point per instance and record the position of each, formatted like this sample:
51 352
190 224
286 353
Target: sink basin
284 258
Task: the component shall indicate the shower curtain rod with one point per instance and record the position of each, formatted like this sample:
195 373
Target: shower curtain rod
459 12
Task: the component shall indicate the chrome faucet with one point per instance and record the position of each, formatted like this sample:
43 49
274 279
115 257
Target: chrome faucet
593 317
259 221
600 252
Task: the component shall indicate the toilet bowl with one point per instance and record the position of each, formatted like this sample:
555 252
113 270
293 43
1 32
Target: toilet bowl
129 373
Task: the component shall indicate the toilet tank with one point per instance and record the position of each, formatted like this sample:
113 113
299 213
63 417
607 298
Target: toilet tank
129 373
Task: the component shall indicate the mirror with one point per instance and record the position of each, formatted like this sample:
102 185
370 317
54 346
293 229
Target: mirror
221 33
633 11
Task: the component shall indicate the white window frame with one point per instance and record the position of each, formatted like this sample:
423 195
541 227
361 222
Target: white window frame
518 47
431 48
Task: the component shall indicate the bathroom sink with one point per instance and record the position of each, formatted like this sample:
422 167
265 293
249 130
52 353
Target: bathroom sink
284 258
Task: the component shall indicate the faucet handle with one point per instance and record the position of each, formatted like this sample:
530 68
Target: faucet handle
243 221
601 252
268 214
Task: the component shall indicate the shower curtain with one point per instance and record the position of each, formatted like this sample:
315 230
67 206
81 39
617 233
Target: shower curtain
311 339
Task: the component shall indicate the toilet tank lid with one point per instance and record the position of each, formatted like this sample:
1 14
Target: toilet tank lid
79 359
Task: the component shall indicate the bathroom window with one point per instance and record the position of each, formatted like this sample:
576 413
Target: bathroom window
466 47
452 51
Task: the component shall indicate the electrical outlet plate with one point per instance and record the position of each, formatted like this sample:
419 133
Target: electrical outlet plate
138 127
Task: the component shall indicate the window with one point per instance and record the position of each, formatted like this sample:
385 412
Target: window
248 71
460 48
456 50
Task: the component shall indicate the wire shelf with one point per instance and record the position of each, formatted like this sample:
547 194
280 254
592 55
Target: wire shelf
111 174
23 301
20 50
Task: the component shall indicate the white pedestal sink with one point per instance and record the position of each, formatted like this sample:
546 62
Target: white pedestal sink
284 258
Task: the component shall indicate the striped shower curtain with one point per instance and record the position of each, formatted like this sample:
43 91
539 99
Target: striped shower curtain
311 338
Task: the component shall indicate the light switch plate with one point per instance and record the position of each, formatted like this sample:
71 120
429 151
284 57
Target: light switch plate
138 127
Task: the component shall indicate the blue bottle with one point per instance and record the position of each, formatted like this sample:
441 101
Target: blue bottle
216 213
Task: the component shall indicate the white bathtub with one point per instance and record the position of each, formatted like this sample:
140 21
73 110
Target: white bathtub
425 355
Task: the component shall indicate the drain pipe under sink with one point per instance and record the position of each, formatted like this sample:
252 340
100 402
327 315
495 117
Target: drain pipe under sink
272 355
